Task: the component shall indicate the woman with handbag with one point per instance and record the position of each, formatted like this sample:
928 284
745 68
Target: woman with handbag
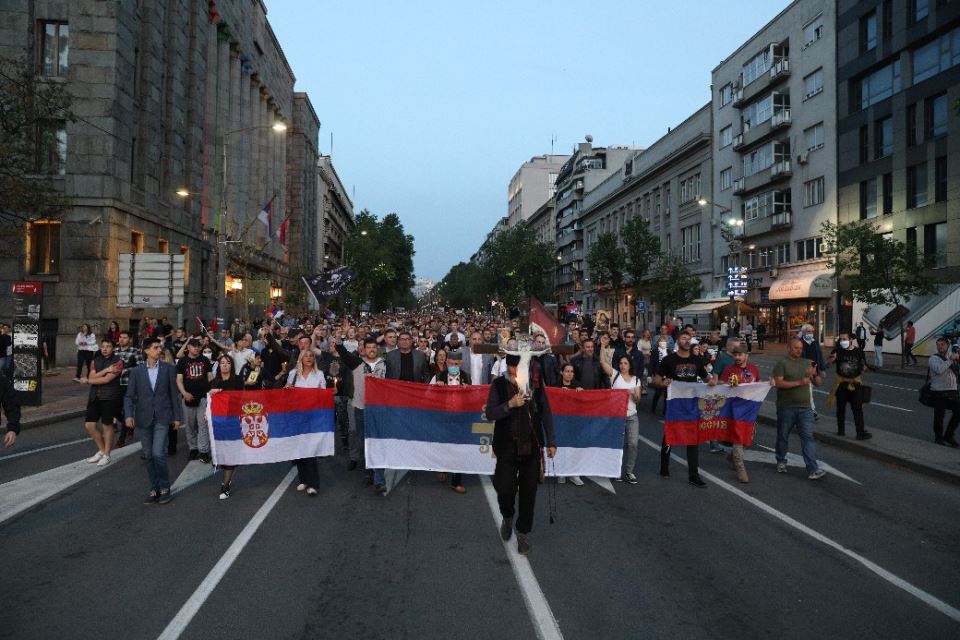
848 387
944 370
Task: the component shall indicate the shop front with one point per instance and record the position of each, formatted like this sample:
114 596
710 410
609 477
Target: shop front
795 300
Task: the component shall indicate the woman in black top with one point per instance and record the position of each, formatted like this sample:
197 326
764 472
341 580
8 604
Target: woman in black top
226 380
848 384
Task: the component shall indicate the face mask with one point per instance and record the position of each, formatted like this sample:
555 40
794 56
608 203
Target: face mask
454 370
808 338
208 355
844 344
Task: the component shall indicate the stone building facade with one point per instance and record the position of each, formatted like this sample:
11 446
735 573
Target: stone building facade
168 96
336 213
305 235
531 186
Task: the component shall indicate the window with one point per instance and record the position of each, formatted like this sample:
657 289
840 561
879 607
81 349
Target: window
726 178
813 83
163 246
766 204
883 137
726 136
936 116
52 147
940 180
868 32
813 192
919 9
813 31
879 85
765 257
935 245
690 243
136 242
783 253
868 199
864 144
757 112
912 130
54 49
809 249
813 137
917 186
937 56
887 193
758 160
726 94
756 66
912 240
43 247
690 188
750 259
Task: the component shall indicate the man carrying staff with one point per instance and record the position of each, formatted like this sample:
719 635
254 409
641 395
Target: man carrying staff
523 424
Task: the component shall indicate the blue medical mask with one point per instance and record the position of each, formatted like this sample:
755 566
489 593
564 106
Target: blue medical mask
844 344
454 370
808 338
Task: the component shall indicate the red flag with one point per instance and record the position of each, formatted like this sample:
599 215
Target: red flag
283 230
541 320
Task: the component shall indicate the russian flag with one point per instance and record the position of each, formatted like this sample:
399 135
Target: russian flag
697 412
440 428
256 427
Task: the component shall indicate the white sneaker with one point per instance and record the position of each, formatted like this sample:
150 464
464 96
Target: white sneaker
781 467
95 458
631 478
104 461
561 479
576 480
311 491
301 487
816 475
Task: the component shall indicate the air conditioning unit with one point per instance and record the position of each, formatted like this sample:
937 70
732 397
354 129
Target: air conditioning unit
774 273
804 157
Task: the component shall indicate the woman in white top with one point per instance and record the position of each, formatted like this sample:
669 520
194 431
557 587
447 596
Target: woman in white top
86 350
624 378
307 376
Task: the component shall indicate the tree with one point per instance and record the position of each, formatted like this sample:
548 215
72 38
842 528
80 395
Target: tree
641 249
462 287
28 107
606 260
380 255
675 286
879 269
515 265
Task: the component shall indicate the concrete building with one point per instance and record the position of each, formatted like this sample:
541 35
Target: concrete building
899 132
336 213
163 93
543 223
774 115
580 174
531 186
501 225
305 232
663 184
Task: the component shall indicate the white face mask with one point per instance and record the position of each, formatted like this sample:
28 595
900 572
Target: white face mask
844 344
808 338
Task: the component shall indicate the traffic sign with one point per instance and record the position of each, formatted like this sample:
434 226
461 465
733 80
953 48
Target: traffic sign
641 306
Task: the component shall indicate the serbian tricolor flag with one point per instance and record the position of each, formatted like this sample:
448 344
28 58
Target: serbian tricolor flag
542 321
255 427
266 217
441 428
697 412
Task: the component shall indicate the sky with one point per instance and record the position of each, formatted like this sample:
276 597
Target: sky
433 106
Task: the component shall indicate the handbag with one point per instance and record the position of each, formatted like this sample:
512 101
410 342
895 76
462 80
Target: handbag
926 394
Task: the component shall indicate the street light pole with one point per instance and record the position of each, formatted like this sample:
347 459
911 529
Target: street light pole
222 246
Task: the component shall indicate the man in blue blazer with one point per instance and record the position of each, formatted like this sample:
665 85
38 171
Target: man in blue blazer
152 404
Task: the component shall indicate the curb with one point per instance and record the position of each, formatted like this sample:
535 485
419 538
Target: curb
42 421
853 446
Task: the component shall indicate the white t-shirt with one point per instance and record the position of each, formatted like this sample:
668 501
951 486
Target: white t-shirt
239 359
314 380
618 382
499 368
476 367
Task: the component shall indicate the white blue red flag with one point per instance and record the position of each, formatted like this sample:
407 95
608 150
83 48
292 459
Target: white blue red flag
697 412
266 217
440 428
256 427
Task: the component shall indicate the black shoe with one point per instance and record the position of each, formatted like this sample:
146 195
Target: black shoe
380 489
194 454
152 497
164 496
171 451
841 433
506 529
951 442
523 547
864 435
940 441
351 465
664 473
367 479
698 482
205 457
224 491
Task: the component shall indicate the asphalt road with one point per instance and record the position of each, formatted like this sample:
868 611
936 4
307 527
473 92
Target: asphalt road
871 556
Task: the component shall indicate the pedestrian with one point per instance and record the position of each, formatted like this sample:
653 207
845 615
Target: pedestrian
944 372
105 402
683 366
861 335
11 408
523 425
792 376
6 347
546 361
645 344
453 375
848 384
724 334
307 376
225 380
587 365
194 375
909 339
131 357
365 363
569 382
87 348
624 378
152 404
740 372
748 335
660 352
878 337
813 353
761 335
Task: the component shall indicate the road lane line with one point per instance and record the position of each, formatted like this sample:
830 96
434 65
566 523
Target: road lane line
53 446
541 615
877 404
190 608
19 495
925 597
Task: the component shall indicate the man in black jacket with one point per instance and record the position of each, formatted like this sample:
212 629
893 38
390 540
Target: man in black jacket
11 408
523 425
630 350
587 368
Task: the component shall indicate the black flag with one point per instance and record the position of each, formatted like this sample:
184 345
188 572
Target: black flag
328 284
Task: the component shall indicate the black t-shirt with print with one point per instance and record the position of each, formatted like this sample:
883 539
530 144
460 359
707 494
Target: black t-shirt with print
682 369
194 372
850 362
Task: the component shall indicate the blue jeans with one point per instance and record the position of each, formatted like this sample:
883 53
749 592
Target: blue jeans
378 475
153 440
802 419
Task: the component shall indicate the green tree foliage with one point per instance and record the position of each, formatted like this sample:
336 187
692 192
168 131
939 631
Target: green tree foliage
381 256
675 286
463 287
607 260
642 250
515 266
878 269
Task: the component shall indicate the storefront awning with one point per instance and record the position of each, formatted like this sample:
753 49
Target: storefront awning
814 285
700 307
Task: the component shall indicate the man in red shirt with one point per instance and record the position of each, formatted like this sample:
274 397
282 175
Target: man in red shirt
740 372
909 338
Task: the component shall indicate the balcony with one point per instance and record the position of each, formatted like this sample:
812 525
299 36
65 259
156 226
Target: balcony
752 136
737 98
780 119
782 220
779 71
738 186
738 142
779 220
781 169
778 172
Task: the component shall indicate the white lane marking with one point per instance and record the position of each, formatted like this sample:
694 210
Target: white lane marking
53 446
194 472
793 460
890 386
877 404
190 608
19 495
603 482
900 583
541 615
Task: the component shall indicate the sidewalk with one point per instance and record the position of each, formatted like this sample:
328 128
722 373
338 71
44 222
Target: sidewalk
62 398
891 361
